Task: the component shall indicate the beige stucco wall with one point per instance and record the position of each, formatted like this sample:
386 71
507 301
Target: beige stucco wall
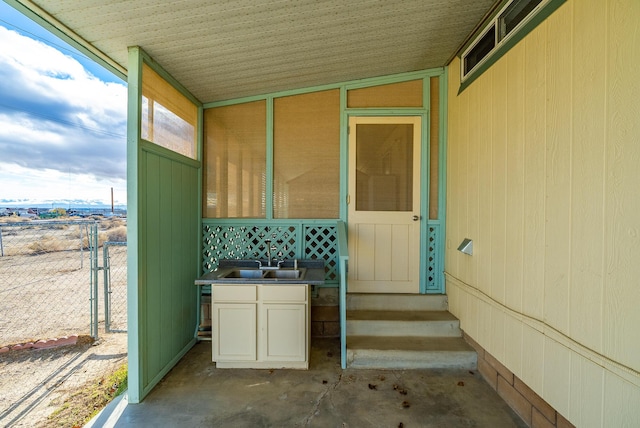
543 173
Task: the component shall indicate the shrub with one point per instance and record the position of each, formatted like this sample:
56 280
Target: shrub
118 234
47 244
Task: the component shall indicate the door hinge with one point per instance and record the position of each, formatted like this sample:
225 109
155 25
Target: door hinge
348 199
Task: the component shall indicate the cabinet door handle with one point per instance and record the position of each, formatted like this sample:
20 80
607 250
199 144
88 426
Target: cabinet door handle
417 217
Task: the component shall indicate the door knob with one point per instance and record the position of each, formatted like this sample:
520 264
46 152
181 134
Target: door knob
417 217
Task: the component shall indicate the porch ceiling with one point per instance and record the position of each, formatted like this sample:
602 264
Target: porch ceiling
223 49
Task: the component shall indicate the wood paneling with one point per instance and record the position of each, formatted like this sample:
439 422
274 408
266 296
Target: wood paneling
543 174
621 205
169 259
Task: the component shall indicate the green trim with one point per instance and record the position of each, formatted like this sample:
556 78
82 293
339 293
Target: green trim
442 176
352 84
480 29
425 155
343 259
394 78
134 92
169 78
412 111
48 22
510 42
199 152
268 222
344 155
269 160
345 113
150 147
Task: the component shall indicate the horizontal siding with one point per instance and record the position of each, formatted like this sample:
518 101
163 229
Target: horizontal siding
543 172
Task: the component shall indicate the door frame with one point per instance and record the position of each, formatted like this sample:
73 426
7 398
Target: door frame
424 185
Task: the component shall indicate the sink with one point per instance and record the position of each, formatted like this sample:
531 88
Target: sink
286 273
265 275
245 273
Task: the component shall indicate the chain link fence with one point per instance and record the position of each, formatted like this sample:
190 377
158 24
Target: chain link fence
115 286
49 278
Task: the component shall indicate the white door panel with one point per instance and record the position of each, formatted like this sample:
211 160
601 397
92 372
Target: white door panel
384 190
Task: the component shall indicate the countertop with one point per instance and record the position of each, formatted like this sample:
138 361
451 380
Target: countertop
313 276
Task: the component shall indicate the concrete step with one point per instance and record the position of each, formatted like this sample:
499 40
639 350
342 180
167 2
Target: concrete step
402 323
397 302
408 352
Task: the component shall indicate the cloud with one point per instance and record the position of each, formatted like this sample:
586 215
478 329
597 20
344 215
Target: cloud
56 116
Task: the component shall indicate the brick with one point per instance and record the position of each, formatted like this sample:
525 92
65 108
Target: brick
325 313
563 422
500 368
22 346
538 420
515 400
317 329
331 329
43 344
536 401
475 345
489 373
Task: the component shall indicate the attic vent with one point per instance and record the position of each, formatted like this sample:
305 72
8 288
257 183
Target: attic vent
508 25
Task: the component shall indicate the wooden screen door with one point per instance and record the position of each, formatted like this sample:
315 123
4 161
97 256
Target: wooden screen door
384 204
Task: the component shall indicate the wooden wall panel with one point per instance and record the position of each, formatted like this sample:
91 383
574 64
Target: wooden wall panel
587 176
169 260
482 251
552 206
498 185
152 267
454 125
622 204
462 182
557 375
514 234
621 400
513 343
532 358
558 170
587 386
534 173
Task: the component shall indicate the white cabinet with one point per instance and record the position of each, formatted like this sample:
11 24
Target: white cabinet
260 326
235 332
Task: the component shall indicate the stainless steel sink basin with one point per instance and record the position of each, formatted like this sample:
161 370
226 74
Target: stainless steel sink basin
265 274
286 273
245 273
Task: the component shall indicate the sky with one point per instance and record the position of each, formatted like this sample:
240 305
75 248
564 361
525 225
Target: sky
62 122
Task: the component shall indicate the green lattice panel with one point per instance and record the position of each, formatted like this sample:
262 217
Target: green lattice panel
249 242
432 271
246 242
321 242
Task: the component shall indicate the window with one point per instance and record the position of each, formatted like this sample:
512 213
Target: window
235 161
514 14
169 119
306 155
509 24
480 50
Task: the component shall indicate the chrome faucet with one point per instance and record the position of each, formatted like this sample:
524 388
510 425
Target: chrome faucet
268 242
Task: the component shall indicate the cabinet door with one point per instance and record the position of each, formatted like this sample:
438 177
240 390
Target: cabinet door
284 326
234 332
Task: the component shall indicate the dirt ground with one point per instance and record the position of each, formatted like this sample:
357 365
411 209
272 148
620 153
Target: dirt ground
35 382
45 294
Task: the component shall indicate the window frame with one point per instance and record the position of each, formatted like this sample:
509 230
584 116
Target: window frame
501 44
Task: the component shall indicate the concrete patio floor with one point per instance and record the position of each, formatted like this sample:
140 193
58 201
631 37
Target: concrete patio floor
197 394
